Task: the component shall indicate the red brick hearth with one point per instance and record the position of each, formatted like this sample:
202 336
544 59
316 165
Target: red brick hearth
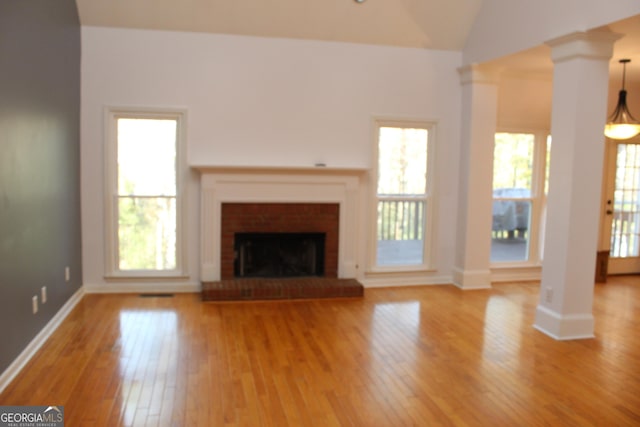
279 218
281 289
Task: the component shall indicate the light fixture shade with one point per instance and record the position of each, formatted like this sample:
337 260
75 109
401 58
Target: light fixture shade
621 131
621 124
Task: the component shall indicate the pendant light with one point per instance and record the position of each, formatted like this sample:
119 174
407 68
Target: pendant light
621 124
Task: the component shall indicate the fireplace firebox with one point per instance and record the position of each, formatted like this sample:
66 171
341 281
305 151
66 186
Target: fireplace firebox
286 219
279 254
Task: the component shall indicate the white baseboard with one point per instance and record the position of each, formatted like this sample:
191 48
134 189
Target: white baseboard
516 274
472 279
384 281
23 358
564 326
142 287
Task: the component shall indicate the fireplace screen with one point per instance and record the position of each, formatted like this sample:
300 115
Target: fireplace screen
279 254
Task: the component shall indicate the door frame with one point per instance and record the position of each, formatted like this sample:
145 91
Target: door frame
630 265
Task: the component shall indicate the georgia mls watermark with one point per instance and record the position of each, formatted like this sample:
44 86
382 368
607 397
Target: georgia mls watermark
31 416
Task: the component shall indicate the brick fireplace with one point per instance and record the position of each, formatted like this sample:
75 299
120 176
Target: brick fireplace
267 199
274 218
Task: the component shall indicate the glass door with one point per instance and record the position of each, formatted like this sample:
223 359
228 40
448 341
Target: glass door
621 225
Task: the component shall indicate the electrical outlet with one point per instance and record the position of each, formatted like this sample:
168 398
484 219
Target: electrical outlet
548 295
34 304
43 294
67 274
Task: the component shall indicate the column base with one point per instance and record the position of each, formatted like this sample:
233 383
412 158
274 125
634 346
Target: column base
564 327
472 279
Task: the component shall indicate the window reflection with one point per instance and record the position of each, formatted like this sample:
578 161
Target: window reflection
148 344
405 318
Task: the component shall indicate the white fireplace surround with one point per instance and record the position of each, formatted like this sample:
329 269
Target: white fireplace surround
221 184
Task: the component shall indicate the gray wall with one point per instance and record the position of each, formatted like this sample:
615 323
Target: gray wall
39 165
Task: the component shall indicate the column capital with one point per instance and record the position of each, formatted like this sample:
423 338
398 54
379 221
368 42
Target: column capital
479 73
583 44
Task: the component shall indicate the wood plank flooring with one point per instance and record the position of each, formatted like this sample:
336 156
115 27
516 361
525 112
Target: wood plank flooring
423 356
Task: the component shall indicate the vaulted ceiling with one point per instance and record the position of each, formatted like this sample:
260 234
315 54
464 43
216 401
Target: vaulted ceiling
538 59
411 23
431 24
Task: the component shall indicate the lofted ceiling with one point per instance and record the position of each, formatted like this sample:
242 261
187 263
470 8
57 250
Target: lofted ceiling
538 60
430 24
409 23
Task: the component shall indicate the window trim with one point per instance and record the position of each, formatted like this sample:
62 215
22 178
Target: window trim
430 238
112 271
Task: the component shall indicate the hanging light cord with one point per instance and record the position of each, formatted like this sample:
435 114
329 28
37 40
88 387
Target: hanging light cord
624 70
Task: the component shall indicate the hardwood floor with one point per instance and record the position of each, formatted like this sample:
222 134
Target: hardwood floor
424 356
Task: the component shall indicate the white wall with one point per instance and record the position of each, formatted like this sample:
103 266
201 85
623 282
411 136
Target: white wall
504 27
524 102
271 102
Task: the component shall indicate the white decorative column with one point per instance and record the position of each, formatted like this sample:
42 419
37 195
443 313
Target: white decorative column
580 89
479 118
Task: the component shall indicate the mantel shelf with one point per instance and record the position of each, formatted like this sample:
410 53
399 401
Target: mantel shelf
301 170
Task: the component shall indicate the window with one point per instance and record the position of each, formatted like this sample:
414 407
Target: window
520 181
625 225
144 232
403 197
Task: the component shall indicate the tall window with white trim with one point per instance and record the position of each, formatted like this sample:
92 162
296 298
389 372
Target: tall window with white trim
403 195
144 232
520 182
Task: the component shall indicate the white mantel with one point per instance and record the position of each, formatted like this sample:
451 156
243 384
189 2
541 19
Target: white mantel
263 184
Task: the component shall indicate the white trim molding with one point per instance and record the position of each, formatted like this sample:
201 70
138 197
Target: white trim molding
255 184
564 327
142 286
428 197
385 280
472 279
36 343
516 274
111 192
